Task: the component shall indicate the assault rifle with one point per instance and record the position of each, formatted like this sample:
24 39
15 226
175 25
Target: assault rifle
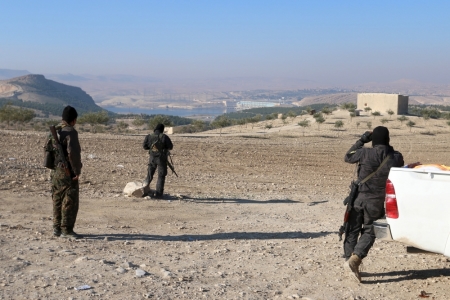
170 163
59 148
349 201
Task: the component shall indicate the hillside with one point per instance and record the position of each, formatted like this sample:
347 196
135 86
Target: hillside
35 91
254 216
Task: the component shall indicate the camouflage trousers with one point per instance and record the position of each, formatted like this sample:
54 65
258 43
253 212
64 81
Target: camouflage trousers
65 195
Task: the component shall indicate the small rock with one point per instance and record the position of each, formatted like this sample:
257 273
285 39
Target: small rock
140 273
80 259
166 274
120 270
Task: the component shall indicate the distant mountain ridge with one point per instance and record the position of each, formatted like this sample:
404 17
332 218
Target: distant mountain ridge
34 90
7 73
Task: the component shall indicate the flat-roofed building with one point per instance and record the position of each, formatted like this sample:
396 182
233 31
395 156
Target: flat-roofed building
383 102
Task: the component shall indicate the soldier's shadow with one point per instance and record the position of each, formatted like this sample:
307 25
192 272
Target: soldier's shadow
397 276
242 201
206 237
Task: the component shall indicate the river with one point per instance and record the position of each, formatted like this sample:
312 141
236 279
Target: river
180 112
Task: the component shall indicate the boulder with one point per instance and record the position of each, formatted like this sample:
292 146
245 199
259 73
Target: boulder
136 189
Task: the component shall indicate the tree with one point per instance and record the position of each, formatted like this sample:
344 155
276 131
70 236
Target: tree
410 124
7 113
269 117
376 114
317 115
319 120
352 115
10 113
23 115
367 109
94 118
426 117
390 112
268 126
199 125
291 114
384 120
327 111
369 125
402 119
255 119
138 122
121 125
221 122
159 119
338 124
348 106
304 124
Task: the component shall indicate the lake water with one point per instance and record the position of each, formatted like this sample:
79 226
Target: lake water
213 112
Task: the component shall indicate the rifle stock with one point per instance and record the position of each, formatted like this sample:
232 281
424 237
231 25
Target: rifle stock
65 165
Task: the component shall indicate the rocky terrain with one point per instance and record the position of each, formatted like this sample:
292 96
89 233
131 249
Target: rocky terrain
253 214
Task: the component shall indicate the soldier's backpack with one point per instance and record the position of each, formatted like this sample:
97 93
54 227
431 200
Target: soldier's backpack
49 153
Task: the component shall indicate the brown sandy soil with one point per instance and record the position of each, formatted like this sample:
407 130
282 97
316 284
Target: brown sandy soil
252 215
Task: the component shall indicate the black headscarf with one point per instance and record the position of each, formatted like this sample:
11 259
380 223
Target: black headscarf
160 128
380 136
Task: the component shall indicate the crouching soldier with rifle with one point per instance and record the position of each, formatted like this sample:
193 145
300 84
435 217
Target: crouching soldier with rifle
366 201
158 145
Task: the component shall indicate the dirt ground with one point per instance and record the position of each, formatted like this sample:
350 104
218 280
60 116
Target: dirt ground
253 214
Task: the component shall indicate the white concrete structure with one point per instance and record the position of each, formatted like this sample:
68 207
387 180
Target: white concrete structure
168 130
382 102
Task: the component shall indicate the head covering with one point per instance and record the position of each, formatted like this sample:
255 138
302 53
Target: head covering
380 136
159 127
69 114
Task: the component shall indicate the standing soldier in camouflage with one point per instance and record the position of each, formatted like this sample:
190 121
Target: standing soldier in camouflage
65 188
158 145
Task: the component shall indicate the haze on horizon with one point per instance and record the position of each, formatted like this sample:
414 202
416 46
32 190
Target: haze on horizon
333 43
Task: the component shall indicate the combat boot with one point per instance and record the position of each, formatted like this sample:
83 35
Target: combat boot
72 236
158 195
56 231
352 266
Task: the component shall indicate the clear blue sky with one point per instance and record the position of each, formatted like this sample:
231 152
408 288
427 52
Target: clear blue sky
334 42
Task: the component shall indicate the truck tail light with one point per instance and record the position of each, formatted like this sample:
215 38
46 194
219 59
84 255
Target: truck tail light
391 201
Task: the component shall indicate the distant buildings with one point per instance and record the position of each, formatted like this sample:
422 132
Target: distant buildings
383 102
241 105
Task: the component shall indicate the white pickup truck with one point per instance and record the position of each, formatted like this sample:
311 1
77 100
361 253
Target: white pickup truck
417 210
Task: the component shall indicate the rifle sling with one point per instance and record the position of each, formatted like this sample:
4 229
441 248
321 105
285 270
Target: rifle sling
373 173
